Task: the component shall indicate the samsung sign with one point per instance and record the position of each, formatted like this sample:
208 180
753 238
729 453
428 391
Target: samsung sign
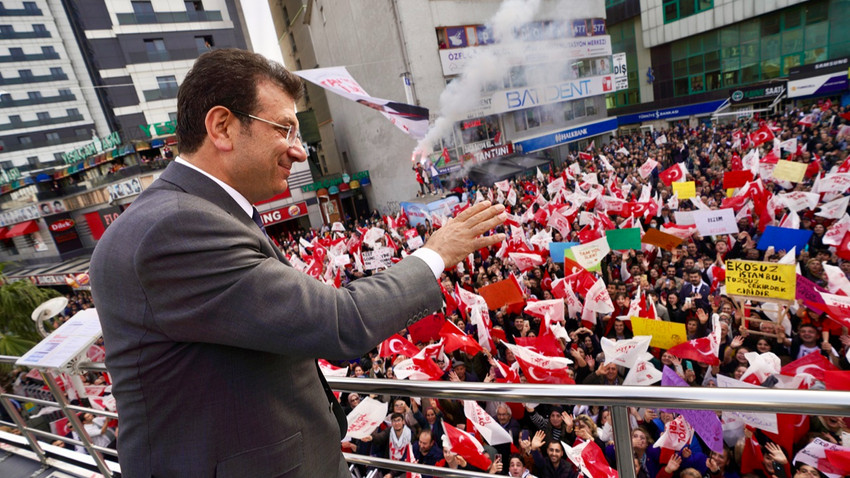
671 113
566 136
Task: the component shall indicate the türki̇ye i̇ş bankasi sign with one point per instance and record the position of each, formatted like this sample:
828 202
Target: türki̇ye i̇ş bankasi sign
761 280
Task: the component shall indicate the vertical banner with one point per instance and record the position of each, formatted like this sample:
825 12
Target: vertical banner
621 72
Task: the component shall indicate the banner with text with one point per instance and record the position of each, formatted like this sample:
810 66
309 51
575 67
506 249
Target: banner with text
761 280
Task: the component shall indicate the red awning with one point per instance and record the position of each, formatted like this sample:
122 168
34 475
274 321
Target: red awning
3 231
22 228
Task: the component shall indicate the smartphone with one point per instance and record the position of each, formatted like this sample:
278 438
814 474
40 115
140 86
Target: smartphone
498 458
689 365
524 435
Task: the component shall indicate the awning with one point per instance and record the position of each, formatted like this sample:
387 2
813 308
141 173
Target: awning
22 228
52 274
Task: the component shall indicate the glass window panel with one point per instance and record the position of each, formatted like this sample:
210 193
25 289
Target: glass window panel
793 17
590 106
679 50
815 55
770 25
770 68
695 64
816 12
680 67
749 53
694 45
789 62
697 84
839 50
712 80
610 102
680 87
634 96
712 60
770 46
578 108
671 11
709 41
729 37
703 5
792 41
749 31
730 78
686 8
749 74
732 64
519 121
816 35
568 110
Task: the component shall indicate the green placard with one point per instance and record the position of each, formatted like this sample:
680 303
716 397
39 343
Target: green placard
620 239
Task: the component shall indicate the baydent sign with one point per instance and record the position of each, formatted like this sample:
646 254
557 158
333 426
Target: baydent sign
456 59
529 97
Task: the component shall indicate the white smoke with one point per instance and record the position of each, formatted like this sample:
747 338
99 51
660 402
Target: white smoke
464 94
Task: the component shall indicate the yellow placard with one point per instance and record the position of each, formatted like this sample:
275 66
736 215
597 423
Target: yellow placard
761 280
664 334
685 190
789 171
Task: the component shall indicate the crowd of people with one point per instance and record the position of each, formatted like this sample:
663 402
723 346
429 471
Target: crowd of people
607 187
683 284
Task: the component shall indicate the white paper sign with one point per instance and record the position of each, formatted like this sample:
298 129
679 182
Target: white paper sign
377 259
763 421
71 339
621 72
415 242
684 218
715 222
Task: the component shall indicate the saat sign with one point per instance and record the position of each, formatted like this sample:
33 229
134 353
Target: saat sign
62 225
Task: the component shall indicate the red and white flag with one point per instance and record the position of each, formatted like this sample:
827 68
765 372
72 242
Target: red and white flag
395 345
590 459
365 418
409 457
834 209
677 435
643 373
329 370
539 368
525 261
490 430
462 443
598 299
761 135
625 352
547 310
813 364
456 339
675 173
418 368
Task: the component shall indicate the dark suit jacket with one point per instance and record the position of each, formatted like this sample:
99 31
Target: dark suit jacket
211 337
689 290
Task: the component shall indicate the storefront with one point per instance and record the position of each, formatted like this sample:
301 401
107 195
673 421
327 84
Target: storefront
662 118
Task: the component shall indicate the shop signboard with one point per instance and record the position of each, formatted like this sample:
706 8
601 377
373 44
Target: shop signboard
64 232
757 93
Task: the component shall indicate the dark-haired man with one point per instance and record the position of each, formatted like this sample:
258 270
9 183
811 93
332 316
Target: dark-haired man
211 336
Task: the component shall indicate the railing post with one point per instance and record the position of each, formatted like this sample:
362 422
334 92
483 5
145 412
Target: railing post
75 423
19 421
623 441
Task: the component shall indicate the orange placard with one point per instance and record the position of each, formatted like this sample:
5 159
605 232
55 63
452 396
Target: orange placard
504 292
661 239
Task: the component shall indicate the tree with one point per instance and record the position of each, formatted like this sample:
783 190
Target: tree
18 299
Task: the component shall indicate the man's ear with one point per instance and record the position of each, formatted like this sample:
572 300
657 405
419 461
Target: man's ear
221 125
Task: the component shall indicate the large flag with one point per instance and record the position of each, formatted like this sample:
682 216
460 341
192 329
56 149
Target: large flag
490 430
677 435
396 344
411 119
590 460
329 370
646 168
625 352
761 135
456 339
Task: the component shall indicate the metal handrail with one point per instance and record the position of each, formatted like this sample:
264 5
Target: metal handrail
617 398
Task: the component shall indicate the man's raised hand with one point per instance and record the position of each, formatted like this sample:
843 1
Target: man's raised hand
462 235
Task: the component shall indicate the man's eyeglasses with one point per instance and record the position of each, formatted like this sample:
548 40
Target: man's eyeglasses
290 132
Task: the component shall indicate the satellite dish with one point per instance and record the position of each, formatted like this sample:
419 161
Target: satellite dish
47 310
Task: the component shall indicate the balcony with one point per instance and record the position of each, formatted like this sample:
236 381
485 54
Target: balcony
35 123
21 12
24 35
29 57
43 143
25 80
163 55
37 101
168 17
161 94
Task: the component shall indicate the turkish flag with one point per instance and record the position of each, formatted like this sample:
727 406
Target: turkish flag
761 135
840 460
418 368
426 329
672 174
505 374
329 370
836 379
813 364
698 350
595 462
541 369
395 345
466 446
736 179
456 339
843 250
546 345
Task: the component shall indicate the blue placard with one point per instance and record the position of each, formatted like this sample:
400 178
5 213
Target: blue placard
566 136
784 238
556 250
669 113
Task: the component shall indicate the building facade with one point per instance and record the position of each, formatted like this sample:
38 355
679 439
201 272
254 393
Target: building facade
532 102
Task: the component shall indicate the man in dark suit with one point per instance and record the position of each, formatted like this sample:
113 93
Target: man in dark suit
695 289
211 336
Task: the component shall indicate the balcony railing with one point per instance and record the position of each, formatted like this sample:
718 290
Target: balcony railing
48 142
617 398
168 17
38 101
25 80
39 122
29 57
160 94
24 35
21 12
163 55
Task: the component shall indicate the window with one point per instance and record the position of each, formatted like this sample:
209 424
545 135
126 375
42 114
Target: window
16 52
167 82
156 49
33 161
39 28
172 116
58 157
34 95
30 6
7 30
678 9
194 6
5 97
204 43
24 140
48 50
72 112
56 71
43 116
590 106
53 137
65 92
142 7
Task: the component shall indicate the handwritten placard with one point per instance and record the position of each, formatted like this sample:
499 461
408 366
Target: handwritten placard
664 334
761 280
377 259
685 190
